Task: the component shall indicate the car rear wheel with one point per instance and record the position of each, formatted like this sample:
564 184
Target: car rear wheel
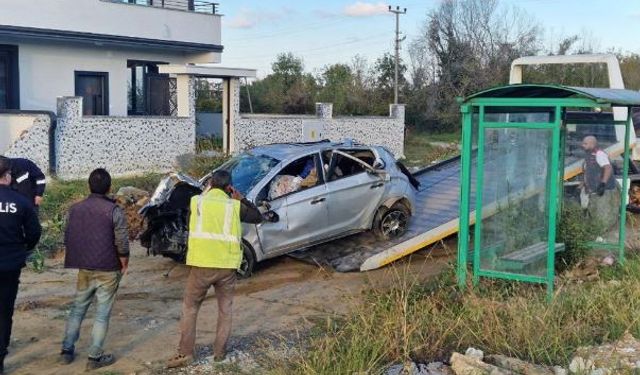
392 223
248 261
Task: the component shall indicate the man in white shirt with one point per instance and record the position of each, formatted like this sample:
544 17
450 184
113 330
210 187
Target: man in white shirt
599 184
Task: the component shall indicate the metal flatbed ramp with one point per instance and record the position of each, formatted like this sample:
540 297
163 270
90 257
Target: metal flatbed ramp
435 218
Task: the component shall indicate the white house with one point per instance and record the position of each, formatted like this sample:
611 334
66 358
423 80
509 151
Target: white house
107 51
110 83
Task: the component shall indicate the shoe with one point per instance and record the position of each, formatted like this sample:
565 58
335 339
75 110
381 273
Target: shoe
66 357
103 361
179 360
219 357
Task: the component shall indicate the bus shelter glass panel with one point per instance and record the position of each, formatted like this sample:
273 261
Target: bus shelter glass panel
594 157
515 224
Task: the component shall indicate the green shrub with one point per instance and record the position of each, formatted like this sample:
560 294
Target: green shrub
575 230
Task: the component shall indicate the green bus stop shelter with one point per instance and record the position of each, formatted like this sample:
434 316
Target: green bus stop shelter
522 160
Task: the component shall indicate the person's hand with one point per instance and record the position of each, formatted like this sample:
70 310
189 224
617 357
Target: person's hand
235 194
600 190
124 263
38 200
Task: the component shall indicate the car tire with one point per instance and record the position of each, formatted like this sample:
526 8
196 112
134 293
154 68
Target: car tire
391 223
248 261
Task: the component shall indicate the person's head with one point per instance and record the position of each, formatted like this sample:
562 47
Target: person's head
5 171
100 182
220 180
589 143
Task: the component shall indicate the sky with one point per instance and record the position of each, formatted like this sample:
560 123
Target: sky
334 31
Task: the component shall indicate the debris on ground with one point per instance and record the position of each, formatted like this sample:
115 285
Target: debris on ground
622 356
131 200
412 368
589 269
474 362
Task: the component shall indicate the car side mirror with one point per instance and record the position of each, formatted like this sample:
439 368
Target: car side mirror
271 217
265 205
379 165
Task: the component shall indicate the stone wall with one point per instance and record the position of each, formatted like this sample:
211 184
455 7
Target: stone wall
33 142
251 131
122 145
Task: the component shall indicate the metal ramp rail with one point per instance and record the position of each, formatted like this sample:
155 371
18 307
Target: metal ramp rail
435 218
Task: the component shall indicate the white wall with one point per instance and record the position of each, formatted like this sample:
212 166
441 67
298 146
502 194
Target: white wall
11 127
95 16
47 72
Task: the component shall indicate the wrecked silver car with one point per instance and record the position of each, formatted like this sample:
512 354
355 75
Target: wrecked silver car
309 193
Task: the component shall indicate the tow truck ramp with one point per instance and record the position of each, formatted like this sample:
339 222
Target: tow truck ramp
435 217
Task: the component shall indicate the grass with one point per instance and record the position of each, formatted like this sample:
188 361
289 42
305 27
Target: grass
420 151
428 322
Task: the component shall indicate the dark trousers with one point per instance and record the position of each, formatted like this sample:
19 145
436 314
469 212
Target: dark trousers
9 281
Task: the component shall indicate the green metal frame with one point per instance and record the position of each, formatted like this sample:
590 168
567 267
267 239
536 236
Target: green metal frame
554 189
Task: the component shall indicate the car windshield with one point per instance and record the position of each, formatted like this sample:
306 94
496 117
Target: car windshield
247 170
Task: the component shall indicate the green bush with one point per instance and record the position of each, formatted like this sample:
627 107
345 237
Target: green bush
575 230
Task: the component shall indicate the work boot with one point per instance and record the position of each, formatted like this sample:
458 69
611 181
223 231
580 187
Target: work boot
100 362
66 357
179 360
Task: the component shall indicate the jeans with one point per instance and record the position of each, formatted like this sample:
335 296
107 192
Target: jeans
9 281
198 283
104 286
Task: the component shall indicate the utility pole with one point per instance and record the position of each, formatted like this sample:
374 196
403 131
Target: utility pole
397 12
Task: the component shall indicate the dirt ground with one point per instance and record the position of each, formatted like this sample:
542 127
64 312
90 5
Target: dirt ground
282 298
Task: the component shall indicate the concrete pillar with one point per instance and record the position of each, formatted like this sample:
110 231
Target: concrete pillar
186 96
397 111
324 111
230 112
69 107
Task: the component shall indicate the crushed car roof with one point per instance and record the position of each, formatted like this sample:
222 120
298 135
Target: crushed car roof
284 151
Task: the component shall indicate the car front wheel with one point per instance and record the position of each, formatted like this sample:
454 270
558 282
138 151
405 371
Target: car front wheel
392 223
248 261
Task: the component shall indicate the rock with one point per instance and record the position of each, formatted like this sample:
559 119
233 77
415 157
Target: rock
608 261
579 365
557 370
622 356
411 368
518 366
465 365
475 353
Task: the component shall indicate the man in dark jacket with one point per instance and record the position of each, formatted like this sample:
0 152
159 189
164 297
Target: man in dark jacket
28 180
19 234
97 244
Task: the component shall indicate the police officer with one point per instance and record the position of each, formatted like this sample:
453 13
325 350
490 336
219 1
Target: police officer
28 180
19 234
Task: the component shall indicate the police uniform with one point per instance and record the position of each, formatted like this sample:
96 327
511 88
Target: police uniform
27 179
19 233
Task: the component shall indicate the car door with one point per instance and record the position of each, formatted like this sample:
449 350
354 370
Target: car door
303 216
355 195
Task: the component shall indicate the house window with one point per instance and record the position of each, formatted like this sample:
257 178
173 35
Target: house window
148 91
9 81
93 87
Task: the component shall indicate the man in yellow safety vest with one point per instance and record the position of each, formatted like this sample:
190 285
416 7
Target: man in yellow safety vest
214 255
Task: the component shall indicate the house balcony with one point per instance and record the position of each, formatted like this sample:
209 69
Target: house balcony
198 6
190 26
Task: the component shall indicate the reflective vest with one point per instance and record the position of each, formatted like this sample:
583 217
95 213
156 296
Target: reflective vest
215 231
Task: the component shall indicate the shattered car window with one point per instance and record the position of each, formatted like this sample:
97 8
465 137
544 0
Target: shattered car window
247 170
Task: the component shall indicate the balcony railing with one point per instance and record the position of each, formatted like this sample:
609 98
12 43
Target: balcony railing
197 6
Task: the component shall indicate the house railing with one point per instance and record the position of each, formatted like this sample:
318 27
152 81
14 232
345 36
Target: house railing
197 6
